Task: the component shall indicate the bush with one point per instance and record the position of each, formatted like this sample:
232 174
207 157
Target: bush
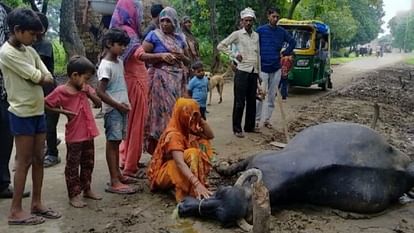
206 53
60 57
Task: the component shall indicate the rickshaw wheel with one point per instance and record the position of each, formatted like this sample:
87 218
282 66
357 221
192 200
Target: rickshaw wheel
325 85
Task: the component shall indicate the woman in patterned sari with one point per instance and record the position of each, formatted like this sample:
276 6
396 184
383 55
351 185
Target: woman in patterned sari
128 16
166 54
182 157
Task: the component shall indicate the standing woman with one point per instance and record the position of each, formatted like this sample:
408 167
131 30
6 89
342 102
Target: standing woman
128 15
190 39
166 52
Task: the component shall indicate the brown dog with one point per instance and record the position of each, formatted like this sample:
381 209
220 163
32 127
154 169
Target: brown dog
216 81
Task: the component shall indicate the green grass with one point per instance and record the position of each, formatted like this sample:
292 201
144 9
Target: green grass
410 60
342 60
60 57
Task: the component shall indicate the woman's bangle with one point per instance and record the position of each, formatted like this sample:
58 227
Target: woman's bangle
194 180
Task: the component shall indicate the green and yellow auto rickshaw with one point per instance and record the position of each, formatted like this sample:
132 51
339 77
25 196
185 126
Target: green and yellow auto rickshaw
312 53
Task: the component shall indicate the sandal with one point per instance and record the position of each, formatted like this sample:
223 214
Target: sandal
141 174
47 213
239 134
142 165
32 220
268 125
120 190
128 180
51 161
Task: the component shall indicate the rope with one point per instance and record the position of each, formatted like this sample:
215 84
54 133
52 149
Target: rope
199 207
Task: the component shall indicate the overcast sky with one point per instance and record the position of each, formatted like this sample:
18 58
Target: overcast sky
391 7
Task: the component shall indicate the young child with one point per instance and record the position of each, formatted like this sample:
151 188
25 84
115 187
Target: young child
71 100
286 63
113 92
198 87
24 73
45 50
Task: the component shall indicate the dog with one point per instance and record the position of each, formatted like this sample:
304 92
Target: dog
216 81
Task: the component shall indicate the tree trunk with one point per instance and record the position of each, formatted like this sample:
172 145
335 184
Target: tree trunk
33 5
292 8
261 208
68 31
214 36
44 6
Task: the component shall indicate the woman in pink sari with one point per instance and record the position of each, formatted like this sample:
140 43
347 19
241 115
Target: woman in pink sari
128 16
166 52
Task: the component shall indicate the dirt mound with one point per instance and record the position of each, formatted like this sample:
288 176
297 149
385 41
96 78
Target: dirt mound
392 89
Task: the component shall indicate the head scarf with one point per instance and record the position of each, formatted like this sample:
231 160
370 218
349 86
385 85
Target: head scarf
171 14
128 15
185 117
247 12
183 28
185 19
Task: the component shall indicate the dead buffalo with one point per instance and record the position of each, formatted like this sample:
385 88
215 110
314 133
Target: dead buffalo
345 166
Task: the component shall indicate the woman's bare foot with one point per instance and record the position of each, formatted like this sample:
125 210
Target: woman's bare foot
91 195
77 202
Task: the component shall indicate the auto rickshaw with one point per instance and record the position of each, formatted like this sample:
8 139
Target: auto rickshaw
312 53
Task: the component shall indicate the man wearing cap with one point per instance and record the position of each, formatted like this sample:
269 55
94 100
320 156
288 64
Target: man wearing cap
272 38
245 80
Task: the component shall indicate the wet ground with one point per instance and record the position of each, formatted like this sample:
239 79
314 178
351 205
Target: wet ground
357 87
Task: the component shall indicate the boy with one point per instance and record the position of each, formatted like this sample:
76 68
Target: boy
198 87
45 50
24 73
71 99
113 92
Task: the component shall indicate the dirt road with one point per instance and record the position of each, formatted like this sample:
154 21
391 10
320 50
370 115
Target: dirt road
146 212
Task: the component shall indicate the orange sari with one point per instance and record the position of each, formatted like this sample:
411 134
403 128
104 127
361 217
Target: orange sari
163 172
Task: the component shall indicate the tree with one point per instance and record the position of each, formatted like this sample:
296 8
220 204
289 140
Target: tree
368 14
214 35
68 31
402 31
292 8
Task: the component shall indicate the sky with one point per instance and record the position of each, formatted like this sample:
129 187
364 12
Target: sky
391 7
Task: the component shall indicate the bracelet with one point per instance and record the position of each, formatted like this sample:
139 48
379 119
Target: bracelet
194 180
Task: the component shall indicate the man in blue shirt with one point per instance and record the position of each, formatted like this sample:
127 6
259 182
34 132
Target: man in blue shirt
271 39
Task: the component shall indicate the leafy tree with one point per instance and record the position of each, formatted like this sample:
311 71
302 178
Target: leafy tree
368 14
335 13
402 30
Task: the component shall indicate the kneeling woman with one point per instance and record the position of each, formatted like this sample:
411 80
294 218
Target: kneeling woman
182 157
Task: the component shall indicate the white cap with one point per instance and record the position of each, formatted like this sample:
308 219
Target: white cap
247 12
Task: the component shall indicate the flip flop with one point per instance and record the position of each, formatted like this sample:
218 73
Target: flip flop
126 190
268 125
141 174
47 213
128 180
142 165
32 220
239 134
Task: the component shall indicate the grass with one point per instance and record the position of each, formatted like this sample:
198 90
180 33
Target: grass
60 57
342 60
410 60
